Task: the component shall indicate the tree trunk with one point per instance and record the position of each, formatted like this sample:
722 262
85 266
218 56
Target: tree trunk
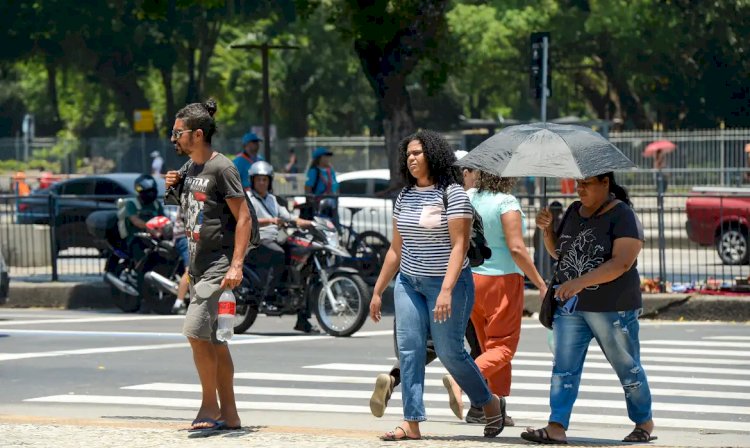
171 108
191 93
398 122
56 122
123 83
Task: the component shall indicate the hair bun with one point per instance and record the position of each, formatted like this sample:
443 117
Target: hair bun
210 106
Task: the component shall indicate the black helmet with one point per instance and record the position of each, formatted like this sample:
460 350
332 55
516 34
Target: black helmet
145 187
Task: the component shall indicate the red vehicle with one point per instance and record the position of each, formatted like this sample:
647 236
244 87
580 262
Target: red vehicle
721 217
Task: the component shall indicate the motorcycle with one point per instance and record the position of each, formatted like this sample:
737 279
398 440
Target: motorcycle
148 282
315 277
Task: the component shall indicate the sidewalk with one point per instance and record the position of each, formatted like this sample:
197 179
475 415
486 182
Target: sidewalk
68 433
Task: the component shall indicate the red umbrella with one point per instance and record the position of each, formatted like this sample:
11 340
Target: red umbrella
659 145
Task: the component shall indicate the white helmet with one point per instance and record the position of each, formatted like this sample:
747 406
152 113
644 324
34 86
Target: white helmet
260 168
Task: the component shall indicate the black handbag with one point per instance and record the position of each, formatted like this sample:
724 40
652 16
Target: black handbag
549 306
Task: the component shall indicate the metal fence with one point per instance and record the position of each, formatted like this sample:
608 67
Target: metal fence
41 238
703 157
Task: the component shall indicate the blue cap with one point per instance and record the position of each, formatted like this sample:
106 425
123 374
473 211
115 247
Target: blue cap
321 151
250 137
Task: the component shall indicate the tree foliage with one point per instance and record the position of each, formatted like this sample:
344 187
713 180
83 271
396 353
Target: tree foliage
386 65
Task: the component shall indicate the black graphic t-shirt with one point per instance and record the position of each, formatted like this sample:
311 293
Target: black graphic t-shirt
209 223
585 243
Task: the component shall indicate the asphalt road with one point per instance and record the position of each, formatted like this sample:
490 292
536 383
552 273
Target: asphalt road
108 364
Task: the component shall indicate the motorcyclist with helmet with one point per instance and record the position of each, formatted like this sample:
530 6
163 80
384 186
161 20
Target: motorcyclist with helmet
137 211
269 258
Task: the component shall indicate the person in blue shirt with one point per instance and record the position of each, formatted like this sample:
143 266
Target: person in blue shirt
321 181
249 155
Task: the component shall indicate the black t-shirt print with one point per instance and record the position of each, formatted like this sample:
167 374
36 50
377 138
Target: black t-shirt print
209 223
586 243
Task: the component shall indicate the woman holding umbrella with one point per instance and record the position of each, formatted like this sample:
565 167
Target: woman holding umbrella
596 248
599 297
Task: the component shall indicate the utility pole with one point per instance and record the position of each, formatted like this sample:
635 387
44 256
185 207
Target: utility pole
540 85
264 51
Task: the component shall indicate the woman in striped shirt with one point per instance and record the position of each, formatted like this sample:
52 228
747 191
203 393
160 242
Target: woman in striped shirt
434 290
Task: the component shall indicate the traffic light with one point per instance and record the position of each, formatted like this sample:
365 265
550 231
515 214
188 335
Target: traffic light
535 67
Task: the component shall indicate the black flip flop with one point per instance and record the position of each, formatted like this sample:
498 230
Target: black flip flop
541 436
639 435
216 425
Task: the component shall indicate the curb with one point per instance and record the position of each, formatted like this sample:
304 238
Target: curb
97 295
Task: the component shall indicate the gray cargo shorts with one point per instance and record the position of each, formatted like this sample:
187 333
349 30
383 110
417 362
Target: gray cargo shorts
202 318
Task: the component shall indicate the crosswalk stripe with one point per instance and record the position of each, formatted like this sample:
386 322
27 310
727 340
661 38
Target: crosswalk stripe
647 366
370 380
514 400
166 402
648 360
545 374
689 343
728 338
692 351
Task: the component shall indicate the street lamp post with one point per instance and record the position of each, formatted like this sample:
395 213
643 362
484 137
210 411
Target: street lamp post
264 51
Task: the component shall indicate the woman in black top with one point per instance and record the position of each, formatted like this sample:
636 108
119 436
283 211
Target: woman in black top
599 297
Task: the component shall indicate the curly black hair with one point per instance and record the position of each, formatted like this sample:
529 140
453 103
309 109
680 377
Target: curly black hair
439 155
494 184
200 116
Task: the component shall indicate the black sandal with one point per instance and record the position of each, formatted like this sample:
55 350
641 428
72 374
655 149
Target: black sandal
496 423
639 435
541 436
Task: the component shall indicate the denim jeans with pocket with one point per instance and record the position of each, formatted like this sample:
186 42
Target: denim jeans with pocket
415 298
616 333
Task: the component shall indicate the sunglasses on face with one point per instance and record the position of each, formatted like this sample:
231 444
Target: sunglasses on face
177 133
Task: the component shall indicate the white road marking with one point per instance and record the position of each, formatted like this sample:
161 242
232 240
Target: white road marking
517 373
689 343
370 380
189 403
243 340
84 320
516 400
648 367
646 359
728 338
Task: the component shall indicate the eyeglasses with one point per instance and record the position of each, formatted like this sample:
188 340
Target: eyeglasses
176 134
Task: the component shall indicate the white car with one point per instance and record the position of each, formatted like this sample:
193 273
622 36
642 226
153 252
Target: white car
358 193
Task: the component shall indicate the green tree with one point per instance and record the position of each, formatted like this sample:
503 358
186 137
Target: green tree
391 38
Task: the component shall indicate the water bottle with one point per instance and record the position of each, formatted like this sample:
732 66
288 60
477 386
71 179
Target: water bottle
227 306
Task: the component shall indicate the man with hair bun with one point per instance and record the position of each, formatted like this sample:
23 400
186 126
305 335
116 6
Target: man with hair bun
218 226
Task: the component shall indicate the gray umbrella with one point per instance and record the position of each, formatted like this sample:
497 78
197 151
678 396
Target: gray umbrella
546 150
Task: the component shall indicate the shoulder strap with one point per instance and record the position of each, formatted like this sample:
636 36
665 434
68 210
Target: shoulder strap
262 202
317 179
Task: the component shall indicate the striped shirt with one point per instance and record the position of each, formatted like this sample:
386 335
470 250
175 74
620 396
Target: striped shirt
422 221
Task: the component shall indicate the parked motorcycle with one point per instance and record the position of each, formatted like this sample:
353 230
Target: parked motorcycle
315 277
148 282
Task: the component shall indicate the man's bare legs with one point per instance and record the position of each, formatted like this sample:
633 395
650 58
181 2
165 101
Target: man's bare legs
225 386
216 373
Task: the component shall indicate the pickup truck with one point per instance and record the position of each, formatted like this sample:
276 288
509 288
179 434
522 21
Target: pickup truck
720 216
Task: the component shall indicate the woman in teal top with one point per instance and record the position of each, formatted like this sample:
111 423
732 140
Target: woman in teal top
499 282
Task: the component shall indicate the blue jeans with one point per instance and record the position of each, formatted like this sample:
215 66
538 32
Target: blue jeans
617 334
415 298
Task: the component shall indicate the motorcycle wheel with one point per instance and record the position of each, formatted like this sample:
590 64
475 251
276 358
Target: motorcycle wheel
370 248
246 310
352 305
125 302
158 301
